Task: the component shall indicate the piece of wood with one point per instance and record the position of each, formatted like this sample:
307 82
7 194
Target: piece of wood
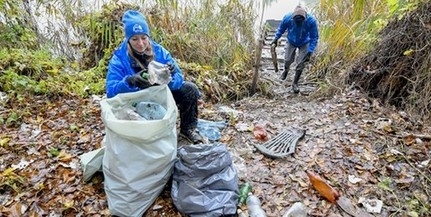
274 58
256 65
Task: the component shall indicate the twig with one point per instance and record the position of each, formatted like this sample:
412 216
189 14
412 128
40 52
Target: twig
420 136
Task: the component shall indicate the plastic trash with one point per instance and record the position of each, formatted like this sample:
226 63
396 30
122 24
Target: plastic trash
241 213
127 113
150 110
158 73
210 129
244 190
260 132
254 206
297 210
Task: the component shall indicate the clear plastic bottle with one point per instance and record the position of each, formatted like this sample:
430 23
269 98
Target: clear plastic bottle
158 73
297 210
150 110
254 207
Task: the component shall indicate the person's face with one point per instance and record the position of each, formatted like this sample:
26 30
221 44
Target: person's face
139 42
299 19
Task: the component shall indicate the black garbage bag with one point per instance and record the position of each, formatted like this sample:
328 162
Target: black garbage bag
205 182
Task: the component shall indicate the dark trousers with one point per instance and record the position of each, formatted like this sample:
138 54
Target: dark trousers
186 99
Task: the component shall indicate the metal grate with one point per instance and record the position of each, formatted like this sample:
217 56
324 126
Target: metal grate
281 145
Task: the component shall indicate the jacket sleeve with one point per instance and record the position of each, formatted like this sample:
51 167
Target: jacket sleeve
116 78
163 56
282 27
314 36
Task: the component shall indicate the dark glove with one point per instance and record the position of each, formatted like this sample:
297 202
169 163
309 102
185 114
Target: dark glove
274 42
137 80
171 67
307 57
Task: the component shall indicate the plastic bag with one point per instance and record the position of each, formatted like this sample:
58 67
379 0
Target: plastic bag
158 73
139 155
205 183
211 129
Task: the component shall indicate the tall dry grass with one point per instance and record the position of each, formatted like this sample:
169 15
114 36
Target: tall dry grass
347 31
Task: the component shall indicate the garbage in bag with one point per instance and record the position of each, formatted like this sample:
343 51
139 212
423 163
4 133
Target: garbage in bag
139 156
127 112
205 183
210 129
150 110
91 162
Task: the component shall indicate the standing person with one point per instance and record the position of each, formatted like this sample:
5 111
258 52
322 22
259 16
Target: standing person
131 59
302 35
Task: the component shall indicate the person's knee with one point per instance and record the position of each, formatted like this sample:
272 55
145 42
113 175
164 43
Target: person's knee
190 90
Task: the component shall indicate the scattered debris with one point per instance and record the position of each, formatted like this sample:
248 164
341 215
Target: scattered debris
372 205
282 145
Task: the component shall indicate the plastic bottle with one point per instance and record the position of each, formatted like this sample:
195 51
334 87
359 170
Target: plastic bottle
254 207
244 190
158 73
241 213
297 210
150 110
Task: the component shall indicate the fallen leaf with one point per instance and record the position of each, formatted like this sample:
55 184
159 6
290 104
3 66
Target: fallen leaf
346 205
409 140
63 156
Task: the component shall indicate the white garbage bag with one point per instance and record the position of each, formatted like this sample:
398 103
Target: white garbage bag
91 162
139 155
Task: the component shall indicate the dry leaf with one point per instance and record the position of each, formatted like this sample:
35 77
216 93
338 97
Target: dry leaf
409 140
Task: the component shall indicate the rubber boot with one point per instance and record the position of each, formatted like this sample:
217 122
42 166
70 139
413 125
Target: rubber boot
283 76
295 87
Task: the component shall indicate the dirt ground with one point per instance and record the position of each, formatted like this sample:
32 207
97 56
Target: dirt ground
375 156
364 150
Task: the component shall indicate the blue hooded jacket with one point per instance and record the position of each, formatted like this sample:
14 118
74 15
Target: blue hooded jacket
299 36
120 65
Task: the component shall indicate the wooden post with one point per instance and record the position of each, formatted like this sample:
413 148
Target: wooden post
258 56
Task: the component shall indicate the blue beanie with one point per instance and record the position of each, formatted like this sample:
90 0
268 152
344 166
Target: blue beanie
135 23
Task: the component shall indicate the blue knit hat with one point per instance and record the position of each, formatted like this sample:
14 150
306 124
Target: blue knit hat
135 23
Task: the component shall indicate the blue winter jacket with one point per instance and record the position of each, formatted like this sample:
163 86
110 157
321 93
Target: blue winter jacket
299 36
119 69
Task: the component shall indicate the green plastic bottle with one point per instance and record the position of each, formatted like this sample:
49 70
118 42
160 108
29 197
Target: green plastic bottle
244 189
145 75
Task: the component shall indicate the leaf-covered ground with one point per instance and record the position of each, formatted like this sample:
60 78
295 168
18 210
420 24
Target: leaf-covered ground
364 150
361 148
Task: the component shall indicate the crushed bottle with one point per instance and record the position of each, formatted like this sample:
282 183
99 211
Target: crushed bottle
158 73
254 207
150 110
127 112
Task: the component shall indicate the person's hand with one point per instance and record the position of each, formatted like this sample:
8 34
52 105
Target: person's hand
137 80
171 67
307 57
274 42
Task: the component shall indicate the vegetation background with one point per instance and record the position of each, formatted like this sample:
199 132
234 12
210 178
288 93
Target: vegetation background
62 48
55 54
